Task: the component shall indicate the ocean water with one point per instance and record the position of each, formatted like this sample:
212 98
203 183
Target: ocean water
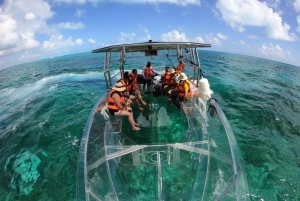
44 106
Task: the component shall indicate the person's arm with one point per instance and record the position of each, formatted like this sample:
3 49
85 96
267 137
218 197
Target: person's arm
154 72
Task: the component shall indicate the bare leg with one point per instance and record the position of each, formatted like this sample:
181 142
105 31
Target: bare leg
139 105
130 118
139 97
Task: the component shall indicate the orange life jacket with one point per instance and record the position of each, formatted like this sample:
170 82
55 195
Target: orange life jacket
172 80
111 103
167 78
148 72
134 80
180 68
180 89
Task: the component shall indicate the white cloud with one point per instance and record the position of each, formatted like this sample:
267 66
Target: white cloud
199 39
242 42
126 37
174 36
222 36
20 21
57 42
28 56
144 29
154 2
274 3
252 36
92 41
80 2
212 40
79 13
71 25
78 41
297 5
148 36
239 14
158 9
29 16
298 20
274 51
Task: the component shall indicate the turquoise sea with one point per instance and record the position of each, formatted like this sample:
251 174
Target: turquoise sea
44 106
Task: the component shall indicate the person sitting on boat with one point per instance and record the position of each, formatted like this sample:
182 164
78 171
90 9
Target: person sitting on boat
134 88
116 104
183 91
125 81
170 89
147 73
180 67
166 76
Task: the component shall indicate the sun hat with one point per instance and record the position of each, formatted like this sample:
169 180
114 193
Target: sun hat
182 76
119 87
172 70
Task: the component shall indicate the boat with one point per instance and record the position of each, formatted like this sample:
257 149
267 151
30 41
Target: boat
190 154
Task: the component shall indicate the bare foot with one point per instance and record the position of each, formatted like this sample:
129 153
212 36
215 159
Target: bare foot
140 108
136 128
144 103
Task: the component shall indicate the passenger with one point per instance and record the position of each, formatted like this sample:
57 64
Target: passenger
166 76
183 91
134 88
173 80
125 81
158 87
116 107
148 71
180 67
170 89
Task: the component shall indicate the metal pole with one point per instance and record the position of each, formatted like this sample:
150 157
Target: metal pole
199 67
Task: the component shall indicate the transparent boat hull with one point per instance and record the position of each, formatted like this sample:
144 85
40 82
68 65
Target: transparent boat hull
169 159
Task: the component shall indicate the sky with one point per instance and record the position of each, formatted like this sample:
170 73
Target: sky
38 29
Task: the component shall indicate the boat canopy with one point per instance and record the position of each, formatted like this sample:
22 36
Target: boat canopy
147 46
184 50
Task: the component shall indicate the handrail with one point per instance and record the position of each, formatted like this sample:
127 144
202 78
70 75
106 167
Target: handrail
159 178
81 190
242 187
